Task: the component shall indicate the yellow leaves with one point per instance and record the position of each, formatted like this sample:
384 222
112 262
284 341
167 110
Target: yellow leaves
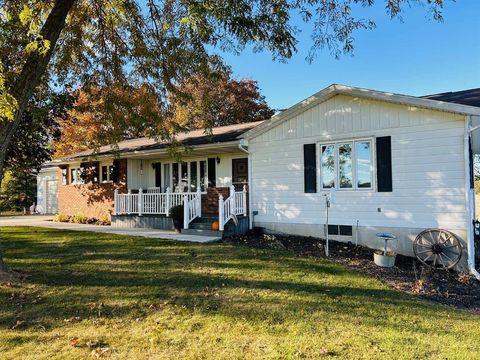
25 15
8 104
40 45
33 22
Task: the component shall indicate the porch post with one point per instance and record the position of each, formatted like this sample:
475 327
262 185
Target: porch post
220 212
115 202
129 202
244 200
185 212
167 201
140 202
199 202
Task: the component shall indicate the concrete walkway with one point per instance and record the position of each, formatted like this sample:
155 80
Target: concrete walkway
46 222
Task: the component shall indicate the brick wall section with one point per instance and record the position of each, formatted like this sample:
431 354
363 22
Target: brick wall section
210 199
94 200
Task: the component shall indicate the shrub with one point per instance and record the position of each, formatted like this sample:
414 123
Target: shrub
79 218
176 213
61 218
104 220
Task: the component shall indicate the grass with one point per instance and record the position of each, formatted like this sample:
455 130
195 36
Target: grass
142 298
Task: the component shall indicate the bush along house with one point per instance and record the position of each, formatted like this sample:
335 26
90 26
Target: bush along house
387 163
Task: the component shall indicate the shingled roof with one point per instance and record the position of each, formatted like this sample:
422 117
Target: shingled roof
219 135
465 97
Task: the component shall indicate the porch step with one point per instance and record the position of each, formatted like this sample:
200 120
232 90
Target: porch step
202 232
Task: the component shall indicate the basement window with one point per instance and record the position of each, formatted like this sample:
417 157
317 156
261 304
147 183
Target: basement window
342 230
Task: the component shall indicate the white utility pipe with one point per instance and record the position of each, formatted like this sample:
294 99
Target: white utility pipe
356 234
470 198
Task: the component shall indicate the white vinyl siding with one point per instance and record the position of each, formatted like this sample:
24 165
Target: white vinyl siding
427 166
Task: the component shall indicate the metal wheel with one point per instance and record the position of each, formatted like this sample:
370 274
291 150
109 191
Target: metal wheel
437 248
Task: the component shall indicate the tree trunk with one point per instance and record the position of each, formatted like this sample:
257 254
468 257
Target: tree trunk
30 76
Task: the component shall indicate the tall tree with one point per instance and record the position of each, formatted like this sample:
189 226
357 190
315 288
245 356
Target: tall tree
31 147
133 112
155 42
206 102
200 102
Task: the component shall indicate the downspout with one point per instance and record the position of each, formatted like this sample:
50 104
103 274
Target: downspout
469 196
243 146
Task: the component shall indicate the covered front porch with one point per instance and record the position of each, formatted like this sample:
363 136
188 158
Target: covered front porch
211 183
150 208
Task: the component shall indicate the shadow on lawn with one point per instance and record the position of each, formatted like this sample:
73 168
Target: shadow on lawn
97 275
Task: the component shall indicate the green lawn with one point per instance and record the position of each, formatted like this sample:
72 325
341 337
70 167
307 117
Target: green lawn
158 299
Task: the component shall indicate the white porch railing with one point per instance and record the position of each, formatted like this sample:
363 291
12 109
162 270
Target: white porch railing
192 208
151 202
233 206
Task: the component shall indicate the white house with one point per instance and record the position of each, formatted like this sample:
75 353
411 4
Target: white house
396 163
389 162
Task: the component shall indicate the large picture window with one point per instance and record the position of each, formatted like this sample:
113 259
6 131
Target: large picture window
346 165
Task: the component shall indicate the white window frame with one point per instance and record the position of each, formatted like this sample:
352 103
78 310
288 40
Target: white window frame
76 180
108 165
172 186
354 142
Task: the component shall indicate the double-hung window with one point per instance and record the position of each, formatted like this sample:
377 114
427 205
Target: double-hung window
77 175
107 172
346 165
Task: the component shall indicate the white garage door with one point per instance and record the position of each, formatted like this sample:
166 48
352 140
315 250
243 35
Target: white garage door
51 196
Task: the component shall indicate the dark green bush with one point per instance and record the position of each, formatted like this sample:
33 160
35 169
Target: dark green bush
176 213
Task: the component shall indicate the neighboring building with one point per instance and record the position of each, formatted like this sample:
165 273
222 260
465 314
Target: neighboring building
47 190
391 162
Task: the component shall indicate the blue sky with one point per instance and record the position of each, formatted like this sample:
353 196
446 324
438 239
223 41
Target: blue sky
417 56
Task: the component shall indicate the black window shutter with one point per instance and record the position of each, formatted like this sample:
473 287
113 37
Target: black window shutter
158 174
212 174
115 172
384 164
310 168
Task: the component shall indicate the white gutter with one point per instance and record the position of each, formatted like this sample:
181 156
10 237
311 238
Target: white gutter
243 146
470 198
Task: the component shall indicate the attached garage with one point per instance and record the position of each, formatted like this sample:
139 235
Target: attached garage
47 191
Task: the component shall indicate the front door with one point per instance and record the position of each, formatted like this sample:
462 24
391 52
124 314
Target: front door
239 173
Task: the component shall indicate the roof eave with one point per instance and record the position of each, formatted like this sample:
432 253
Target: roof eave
125 154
